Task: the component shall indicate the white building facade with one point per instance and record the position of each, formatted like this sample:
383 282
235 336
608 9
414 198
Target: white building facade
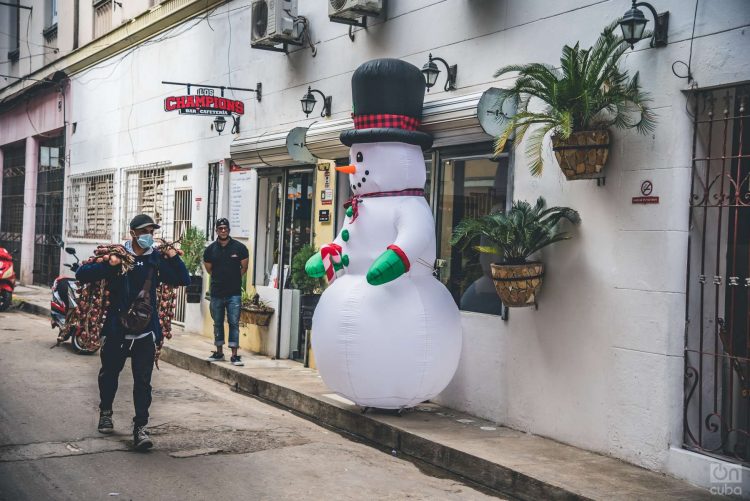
628 353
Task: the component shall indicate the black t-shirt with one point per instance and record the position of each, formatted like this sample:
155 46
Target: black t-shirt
226 275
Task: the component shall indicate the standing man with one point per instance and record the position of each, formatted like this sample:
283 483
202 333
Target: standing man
226 261
150 269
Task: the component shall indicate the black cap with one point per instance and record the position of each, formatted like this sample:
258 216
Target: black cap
383 87
222 221
142 221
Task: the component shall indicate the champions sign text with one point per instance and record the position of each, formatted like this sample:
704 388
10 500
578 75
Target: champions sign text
204 103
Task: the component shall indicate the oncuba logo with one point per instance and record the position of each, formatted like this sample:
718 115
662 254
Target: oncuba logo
203 103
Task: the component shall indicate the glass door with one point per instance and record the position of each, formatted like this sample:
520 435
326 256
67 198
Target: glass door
298 227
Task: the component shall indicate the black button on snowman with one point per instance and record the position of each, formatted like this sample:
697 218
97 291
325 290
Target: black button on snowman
386 333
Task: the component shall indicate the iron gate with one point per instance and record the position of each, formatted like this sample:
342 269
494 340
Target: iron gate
11 220
717 344
49 211
213 199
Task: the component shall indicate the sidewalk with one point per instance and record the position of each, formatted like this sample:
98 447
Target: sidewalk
519 464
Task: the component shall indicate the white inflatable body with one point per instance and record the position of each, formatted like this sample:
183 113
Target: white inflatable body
393 345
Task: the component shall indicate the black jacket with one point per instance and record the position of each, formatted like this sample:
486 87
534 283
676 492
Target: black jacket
123 289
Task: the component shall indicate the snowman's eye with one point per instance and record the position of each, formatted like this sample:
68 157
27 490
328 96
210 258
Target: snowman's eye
360 157
354 187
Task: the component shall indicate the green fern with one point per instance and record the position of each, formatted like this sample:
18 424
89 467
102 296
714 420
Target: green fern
587 92
517 233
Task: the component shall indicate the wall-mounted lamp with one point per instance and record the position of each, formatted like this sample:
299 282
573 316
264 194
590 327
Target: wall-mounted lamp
221 122
431 71
633 24
308 103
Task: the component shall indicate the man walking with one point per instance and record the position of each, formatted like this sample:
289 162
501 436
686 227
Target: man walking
226 261
150 269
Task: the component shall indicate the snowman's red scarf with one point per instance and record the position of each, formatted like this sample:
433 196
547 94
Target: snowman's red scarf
354 201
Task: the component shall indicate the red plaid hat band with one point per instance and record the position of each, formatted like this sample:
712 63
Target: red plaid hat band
385 121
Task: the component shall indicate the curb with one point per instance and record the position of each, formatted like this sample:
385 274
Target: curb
480 471
32 308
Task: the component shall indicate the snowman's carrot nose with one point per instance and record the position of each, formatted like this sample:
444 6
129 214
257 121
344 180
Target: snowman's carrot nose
347 169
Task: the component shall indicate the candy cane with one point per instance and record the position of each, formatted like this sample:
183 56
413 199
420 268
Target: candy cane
331 253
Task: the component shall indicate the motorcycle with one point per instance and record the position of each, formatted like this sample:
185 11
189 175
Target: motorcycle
7 279
63 307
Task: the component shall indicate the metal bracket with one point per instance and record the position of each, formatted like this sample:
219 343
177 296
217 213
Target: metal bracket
601 181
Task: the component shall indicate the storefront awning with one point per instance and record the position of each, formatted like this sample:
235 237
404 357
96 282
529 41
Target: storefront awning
451 121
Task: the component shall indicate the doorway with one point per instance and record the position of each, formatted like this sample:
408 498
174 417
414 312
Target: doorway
49 211
286 200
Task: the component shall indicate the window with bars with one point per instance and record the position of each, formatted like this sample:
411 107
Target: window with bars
145 193
102 17
213 199
90 206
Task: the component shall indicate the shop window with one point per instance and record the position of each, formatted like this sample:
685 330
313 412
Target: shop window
90 206
471 183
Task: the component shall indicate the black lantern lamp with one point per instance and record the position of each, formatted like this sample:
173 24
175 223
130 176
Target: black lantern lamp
219 124
431 71
633 24
308 103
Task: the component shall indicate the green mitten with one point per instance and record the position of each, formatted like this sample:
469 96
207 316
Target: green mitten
314 266
388 266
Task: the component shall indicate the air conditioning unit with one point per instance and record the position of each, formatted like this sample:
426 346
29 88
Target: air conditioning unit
351 11
273 23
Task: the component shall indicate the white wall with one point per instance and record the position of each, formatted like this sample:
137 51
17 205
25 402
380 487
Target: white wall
599 365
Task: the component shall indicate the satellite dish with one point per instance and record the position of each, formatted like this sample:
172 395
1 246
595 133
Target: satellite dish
295 145
494 110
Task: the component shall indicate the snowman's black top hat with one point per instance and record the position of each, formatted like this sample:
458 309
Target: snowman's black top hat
387 96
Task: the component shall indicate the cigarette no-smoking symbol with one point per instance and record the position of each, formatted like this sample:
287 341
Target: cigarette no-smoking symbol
646 188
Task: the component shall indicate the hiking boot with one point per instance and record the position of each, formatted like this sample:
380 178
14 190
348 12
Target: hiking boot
215 357
141 440
105 422
237 360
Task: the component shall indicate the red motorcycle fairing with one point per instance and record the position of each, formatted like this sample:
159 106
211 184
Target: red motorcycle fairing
6 286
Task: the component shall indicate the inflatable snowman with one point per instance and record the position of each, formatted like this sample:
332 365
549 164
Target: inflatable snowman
386 333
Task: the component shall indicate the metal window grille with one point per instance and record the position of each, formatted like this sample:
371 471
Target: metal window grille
11 222
49 211
91 206
102 17
717 344
145 193
213 198
182 220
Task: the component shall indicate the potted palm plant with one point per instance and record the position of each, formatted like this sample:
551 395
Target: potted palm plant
254 310
514 236
192 244
583 98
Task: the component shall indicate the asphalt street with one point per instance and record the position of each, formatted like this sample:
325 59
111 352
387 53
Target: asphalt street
210 442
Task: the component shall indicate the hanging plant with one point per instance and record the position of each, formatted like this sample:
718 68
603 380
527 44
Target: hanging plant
514 236
583 98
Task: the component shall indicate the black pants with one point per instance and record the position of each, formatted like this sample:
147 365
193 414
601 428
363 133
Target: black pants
113 354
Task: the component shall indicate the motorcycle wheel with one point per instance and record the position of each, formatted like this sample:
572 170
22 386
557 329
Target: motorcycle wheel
77 347
5 300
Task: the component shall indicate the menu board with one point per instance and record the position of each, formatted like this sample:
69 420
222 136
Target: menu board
240 202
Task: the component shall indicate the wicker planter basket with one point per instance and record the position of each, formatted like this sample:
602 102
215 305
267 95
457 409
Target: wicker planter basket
583 155
257 317
518 284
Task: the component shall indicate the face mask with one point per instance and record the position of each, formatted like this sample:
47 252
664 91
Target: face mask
145 241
